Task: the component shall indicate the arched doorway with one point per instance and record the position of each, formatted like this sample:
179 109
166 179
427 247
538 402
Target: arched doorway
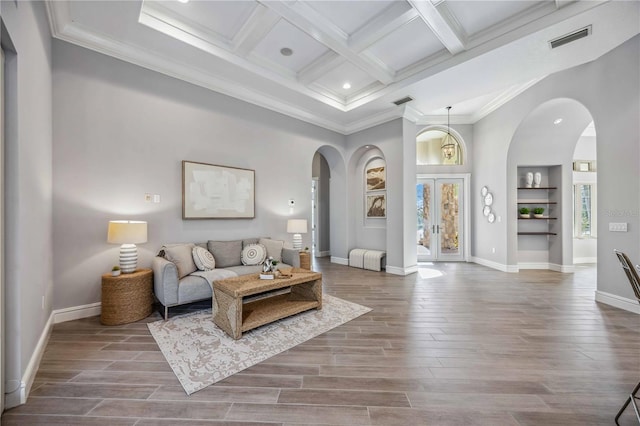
543 147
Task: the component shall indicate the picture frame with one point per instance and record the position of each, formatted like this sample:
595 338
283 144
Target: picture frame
210 191
376 205
376 177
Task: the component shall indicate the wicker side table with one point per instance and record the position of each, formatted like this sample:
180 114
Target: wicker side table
305 260
127 297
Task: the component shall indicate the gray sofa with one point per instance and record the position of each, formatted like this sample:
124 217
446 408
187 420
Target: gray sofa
177 280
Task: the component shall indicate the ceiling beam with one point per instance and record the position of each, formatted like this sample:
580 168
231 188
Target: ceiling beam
453 41
259 23
393 17
308 20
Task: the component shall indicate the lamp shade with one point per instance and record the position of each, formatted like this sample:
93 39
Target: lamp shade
297 226
127 232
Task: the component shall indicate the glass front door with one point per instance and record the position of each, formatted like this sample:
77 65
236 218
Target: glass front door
439 205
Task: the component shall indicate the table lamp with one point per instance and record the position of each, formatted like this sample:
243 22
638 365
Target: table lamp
128 233
297 227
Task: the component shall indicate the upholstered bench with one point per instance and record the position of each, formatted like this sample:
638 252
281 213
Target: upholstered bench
373 260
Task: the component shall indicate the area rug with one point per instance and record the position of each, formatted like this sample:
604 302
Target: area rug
201 354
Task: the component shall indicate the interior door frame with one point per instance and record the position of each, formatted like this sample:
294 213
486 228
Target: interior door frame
2 322
466 207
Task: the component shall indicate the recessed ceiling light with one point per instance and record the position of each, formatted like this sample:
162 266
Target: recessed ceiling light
347 85
367 146
557 121
285 51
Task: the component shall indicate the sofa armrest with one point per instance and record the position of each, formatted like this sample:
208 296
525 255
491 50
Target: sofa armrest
291 257
165 281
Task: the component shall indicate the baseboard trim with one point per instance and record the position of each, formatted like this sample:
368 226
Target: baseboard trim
567 269
618 301
19 396
579 260
494 265
77 312
340 260
396 270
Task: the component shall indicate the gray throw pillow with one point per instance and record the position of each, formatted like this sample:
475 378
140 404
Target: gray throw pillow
274 248
226 253
181 255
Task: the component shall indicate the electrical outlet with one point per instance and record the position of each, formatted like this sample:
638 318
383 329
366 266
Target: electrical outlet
156 198
493 250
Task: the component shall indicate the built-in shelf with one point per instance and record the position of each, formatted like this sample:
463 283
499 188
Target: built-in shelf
542 187
536 202
537 233
537 218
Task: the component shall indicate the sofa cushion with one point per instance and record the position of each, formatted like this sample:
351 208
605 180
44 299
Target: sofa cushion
274 248
226 253
203 259
245 269
181 255
248 241
253 254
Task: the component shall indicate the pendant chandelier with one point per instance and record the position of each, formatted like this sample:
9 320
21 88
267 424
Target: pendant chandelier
448 145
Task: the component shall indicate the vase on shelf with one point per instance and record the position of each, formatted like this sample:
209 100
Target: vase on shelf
537 178
529 180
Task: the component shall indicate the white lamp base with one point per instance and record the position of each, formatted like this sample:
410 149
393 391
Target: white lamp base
128 258
297 241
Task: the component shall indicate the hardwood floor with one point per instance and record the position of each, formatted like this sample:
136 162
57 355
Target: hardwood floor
469 346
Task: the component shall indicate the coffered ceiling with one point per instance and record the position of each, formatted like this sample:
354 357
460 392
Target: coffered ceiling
341 64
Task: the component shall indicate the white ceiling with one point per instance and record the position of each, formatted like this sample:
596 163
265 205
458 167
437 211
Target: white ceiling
472 54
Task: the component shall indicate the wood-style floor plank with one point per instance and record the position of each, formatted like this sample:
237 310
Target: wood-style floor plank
472 346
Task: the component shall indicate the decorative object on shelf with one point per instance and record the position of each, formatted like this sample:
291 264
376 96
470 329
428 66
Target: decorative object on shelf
537 178
538 212
529 180
524 212
448 147
128 233
217 192
115 271
297 227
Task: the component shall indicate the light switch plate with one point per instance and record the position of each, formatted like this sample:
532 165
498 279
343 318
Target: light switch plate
618 227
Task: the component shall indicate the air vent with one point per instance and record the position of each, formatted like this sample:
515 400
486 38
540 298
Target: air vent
565 39
403 100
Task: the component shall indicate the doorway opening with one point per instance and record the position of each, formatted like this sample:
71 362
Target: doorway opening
442 219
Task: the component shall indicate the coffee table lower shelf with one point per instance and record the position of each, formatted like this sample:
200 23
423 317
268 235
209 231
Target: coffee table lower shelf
265 311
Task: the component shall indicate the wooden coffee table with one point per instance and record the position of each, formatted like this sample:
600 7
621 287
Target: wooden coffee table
246 302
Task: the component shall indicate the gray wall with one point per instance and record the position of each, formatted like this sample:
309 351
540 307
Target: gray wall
28 243
122 131
608 88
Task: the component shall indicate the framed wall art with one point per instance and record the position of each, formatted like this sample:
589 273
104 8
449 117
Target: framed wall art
217 192
376 176
376 205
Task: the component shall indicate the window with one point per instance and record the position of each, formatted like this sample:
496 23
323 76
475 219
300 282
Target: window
584 210
437 147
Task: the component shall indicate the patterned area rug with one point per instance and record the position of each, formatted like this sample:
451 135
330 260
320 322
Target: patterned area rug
201 354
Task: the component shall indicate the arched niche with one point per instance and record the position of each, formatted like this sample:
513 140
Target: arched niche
544 142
